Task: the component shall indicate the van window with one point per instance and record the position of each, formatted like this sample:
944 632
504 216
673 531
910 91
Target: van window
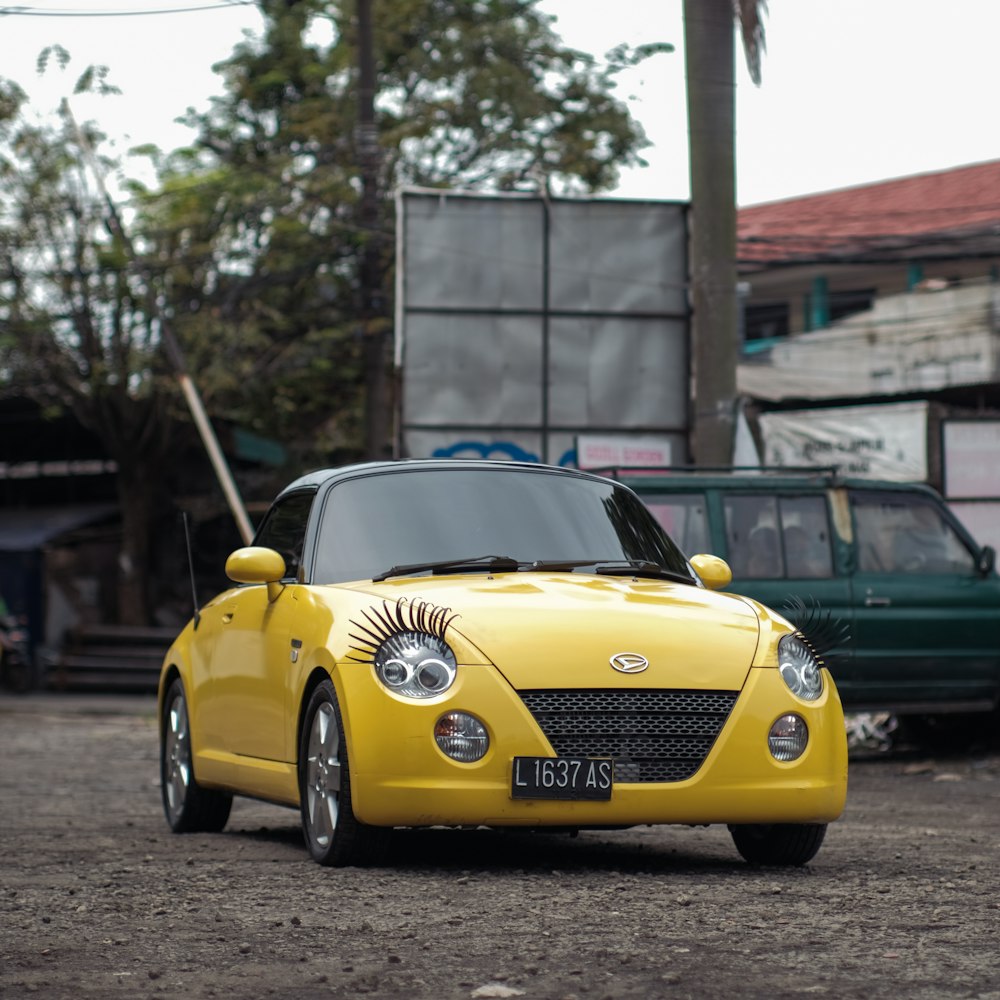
684 516
906 534
771 537
805 529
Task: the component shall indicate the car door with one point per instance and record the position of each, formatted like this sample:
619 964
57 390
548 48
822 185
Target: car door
251 666
928 621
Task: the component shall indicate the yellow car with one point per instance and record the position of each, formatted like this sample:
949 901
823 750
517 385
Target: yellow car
464 643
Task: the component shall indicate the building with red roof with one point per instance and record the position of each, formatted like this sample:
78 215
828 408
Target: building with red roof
871 327
901 266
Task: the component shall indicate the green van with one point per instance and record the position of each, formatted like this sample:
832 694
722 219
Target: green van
912 601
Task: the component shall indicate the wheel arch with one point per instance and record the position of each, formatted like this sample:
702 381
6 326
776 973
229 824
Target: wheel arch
168 675
317 675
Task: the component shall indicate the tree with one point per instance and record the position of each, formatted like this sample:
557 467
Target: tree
268 202
251 243
77 331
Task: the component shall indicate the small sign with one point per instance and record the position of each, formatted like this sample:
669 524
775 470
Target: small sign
971 449
622 451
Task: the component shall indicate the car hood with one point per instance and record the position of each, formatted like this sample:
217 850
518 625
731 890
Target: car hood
562 630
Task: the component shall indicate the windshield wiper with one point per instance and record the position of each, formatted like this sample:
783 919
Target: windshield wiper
508 564
492 564
641 567
557 565
618 567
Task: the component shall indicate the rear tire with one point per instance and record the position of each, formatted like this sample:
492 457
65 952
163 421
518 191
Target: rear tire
333 834
189 808
778 843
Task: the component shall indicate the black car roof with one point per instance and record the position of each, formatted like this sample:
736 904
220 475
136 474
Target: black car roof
321 477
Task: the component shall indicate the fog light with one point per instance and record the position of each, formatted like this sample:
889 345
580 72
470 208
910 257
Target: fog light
788 737
462 737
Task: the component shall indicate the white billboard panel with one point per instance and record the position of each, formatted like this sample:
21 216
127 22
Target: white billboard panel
522 322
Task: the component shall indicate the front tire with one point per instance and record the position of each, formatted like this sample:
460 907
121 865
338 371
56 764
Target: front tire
784 844
332 833
189 808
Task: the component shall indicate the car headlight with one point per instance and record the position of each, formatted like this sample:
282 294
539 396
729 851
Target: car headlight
799 668
415 664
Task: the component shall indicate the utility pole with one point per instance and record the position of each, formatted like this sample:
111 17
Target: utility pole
372 318
711 88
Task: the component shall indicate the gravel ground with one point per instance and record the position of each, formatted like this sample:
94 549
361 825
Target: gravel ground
99 899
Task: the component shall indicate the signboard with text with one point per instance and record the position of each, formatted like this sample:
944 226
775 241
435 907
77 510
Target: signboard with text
604 452
881 441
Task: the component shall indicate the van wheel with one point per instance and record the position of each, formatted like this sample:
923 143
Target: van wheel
778 843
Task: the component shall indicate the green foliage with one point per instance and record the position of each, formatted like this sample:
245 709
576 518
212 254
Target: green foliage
79 330
260 223
253 242
257 246
484 95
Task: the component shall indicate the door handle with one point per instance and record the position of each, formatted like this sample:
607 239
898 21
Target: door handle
877 602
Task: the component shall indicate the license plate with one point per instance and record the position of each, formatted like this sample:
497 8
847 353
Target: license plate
562 778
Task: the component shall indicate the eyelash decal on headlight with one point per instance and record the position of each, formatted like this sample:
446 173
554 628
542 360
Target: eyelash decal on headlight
816 626
393 620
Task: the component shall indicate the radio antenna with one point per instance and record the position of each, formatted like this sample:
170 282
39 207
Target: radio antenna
194 589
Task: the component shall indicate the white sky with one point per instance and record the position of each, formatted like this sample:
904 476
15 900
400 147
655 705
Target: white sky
853 90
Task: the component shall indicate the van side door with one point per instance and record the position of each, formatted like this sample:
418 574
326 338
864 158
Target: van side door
928 621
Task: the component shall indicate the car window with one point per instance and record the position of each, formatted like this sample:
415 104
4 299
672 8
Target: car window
284 530
898 533
684 516
371 523
773 537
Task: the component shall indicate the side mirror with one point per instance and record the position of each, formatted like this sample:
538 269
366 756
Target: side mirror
255 564
714 572
987 560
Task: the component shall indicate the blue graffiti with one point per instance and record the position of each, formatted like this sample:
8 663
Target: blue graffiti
502 450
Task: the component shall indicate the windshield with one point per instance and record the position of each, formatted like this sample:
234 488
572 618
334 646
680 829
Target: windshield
411 516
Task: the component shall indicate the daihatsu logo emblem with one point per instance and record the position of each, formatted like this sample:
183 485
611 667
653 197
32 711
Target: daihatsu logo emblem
629 663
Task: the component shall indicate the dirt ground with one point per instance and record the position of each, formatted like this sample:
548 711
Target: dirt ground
99 899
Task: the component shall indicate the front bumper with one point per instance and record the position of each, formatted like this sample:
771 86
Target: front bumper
399 777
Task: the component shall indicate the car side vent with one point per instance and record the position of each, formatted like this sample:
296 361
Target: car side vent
653 736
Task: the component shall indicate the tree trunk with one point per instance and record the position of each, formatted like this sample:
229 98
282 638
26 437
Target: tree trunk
710 48
136 499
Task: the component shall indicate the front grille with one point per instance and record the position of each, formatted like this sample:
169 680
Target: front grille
652 735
